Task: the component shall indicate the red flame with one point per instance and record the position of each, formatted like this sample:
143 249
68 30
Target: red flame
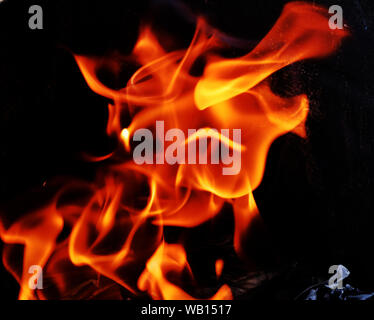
117 230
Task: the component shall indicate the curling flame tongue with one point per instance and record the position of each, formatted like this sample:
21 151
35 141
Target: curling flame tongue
300 33
119 230
37 232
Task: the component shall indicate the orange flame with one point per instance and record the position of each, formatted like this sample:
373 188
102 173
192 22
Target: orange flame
117 228
170 258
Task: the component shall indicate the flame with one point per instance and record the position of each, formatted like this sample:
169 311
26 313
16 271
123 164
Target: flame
170 258
116 228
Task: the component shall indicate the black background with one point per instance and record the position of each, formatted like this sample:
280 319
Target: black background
316 196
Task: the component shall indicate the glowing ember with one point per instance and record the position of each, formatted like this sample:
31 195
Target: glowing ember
116 229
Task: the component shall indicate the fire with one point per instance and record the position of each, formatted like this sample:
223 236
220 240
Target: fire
170 258
114 228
